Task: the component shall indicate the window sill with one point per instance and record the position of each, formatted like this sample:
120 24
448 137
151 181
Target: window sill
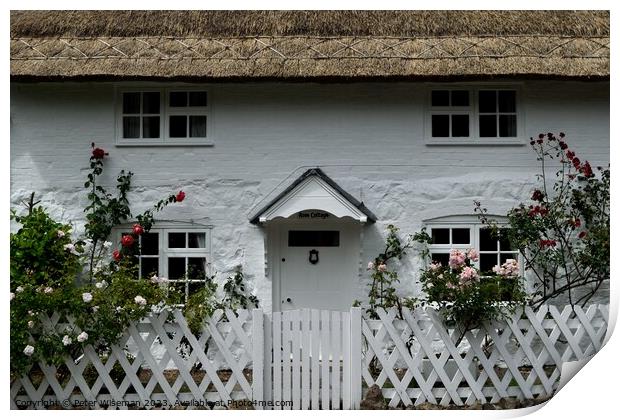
478 142
165 143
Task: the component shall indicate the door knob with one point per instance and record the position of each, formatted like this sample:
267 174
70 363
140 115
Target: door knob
288 300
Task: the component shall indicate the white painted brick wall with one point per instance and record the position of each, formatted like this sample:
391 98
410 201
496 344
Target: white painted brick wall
367 137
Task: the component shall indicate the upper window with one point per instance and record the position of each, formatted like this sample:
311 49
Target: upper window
181 256
473 114
492 250
163 116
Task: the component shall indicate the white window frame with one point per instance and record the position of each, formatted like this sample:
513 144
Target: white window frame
474 241
474 138
165 112
165 252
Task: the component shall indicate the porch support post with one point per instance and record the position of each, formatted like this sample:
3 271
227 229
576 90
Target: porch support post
356 358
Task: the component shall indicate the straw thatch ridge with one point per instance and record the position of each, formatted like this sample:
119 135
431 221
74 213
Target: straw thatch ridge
308 23
326 46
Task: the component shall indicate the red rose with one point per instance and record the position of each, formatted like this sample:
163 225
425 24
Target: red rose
538 195
127 241
116 255
138 229
570 155
99 153
577 223
563 145
586 170
576 162
180 196
582 234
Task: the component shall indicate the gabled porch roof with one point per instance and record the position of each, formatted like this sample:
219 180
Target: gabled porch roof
314 190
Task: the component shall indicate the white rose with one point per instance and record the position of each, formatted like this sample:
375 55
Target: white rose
69 247
12 295
87 297
19 289
60 233
28 350
30 324
95 308
101 284
48 290
107 244
66 340
82 337
371 265
140 300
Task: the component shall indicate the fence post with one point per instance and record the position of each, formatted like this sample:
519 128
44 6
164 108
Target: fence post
257 356
356 358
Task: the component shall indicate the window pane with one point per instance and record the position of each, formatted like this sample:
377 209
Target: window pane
150 127
460 125
440 98
508 126
149 244
487 241
504 243
178 126
176 268
196 240
194 286
149 267
177 292
503 257
440 236
507 100
487 262
131 103
310 238
131 127
460 236
198 99
460 98
176 240
440 258
150 102
196 268
441 125
488 126
178 99
198 126
486 101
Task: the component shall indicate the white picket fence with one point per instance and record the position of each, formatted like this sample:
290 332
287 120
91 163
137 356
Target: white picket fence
312 359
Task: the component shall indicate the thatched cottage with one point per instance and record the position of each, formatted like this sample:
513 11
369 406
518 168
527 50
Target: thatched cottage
293 132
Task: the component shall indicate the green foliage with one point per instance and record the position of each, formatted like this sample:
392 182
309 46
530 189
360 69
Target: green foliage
44 266
235 294
203 303
382 292
563 232
465 298
47 266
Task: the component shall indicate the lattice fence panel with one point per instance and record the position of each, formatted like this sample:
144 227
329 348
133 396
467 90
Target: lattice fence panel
417 359
158 363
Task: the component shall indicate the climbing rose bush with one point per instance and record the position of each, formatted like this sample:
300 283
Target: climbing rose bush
563 229
464 296
54 271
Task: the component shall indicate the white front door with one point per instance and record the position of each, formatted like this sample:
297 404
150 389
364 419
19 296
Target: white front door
319 261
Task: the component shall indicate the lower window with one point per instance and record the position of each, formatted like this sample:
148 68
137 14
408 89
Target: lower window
492 250
180 258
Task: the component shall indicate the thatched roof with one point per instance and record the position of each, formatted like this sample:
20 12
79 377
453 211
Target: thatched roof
300 45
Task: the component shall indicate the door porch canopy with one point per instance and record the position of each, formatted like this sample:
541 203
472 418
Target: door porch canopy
314 190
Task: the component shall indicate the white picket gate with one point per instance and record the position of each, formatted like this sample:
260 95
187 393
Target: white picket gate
314 359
